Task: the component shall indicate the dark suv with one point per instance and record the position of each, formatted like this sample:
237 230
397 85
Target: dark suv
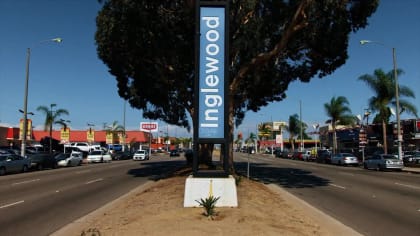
324 156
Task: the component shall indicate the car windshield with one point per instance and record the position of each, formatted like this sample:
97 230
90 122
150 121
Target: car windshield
3 158
348 155
96 153
390 157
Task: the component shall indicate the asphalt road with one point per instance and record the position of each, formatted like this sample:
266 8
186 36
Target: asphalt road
370 202
40 202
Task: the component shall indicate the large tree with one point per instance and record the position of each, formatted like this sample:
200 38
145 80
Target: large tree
383 87
340 114
149 48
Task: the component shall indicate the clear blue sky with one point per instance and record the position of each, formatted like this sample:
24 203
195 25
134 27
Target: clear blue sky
71 75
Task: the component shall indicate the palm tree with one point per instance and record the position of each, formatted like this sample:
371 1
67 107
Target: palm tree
51 117
264 131
293 128
383 85
114 129
339 113
251 139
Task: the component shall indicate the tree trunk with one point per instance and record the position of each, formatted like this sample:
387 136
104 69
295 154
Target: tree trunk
385 146
205 153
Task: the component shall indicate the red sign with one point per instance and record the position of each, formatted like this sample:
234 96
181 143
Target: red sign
149 126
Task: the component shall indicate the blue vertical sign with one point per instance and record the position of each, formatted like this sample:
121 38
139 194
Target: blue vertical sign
211 113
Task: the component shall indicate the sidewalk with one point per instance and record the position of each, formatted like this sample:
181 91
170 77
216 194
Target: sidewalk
414 170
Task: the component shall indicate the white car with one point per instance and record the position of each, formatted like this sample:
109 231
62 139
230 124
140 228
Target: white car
344 159
98 156
141 155
69 159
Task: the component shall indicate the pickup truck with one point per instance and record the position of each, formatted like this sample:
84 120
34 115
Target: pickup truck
85 147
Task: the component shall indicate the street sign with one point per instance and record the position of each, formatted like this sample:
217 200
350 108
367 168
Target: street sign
362 138
149 126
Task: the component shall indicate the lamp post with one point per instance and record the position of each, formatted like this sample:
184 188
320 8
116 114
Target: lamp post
51 123
397 97
25 98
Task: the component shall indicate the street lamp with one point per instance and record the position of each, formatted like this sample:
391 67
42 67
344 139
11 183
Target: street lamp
397 97
25 98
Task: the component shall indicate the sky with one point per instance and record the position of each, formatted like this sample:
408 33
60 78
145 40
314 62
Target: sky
71 75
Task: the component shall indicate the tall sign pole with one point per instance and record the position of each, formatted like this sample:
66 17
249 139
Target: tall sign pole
211 79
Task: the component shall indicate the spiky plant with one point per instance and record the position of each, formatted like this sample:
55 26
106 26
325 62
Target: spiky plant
208 204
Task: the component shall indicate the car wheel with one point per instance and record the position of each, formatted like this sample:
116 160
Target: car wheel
102 160
24 169
2 171
40 167
365 166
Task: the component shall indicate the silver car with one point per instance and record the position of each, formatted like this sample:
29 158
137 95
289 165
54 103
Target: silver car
383 162
344 159
13 163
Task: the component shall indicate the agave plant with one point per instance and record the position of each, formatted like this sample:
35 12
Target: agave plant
208 204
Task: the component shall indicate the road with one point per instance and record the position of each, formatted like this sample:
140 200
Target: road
40 202
370 202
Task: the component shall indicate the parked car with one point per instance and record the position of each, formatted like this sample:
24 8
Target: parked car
122 155
174 153
69 159
383 162
324 156
298 156
41 161
344 159
98 156
306 155
411 157
141 155
13 163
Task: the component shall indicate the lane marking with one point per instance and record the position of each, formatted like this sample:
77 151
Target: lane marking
337 186
94 181
408 186
11 204
25 182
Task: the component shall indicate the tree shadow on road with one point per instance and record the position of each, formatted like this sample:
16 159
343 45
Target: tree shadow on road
159 170
285 177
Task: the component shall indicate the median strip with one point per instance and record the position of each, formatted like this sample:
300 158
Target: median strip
11 204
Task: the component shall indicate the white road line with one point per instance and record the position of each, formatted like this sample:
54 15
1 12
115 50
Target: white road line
408 186
95 180
337 186
11 204
25 182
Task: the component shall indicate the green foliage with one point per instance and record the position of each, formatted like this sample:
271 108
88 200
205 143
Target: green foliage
208 204
51 116
383 87
149 47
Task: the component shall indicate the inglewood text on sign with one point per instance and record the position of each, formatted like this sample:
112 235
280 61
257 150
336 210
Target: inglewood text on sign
211 73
